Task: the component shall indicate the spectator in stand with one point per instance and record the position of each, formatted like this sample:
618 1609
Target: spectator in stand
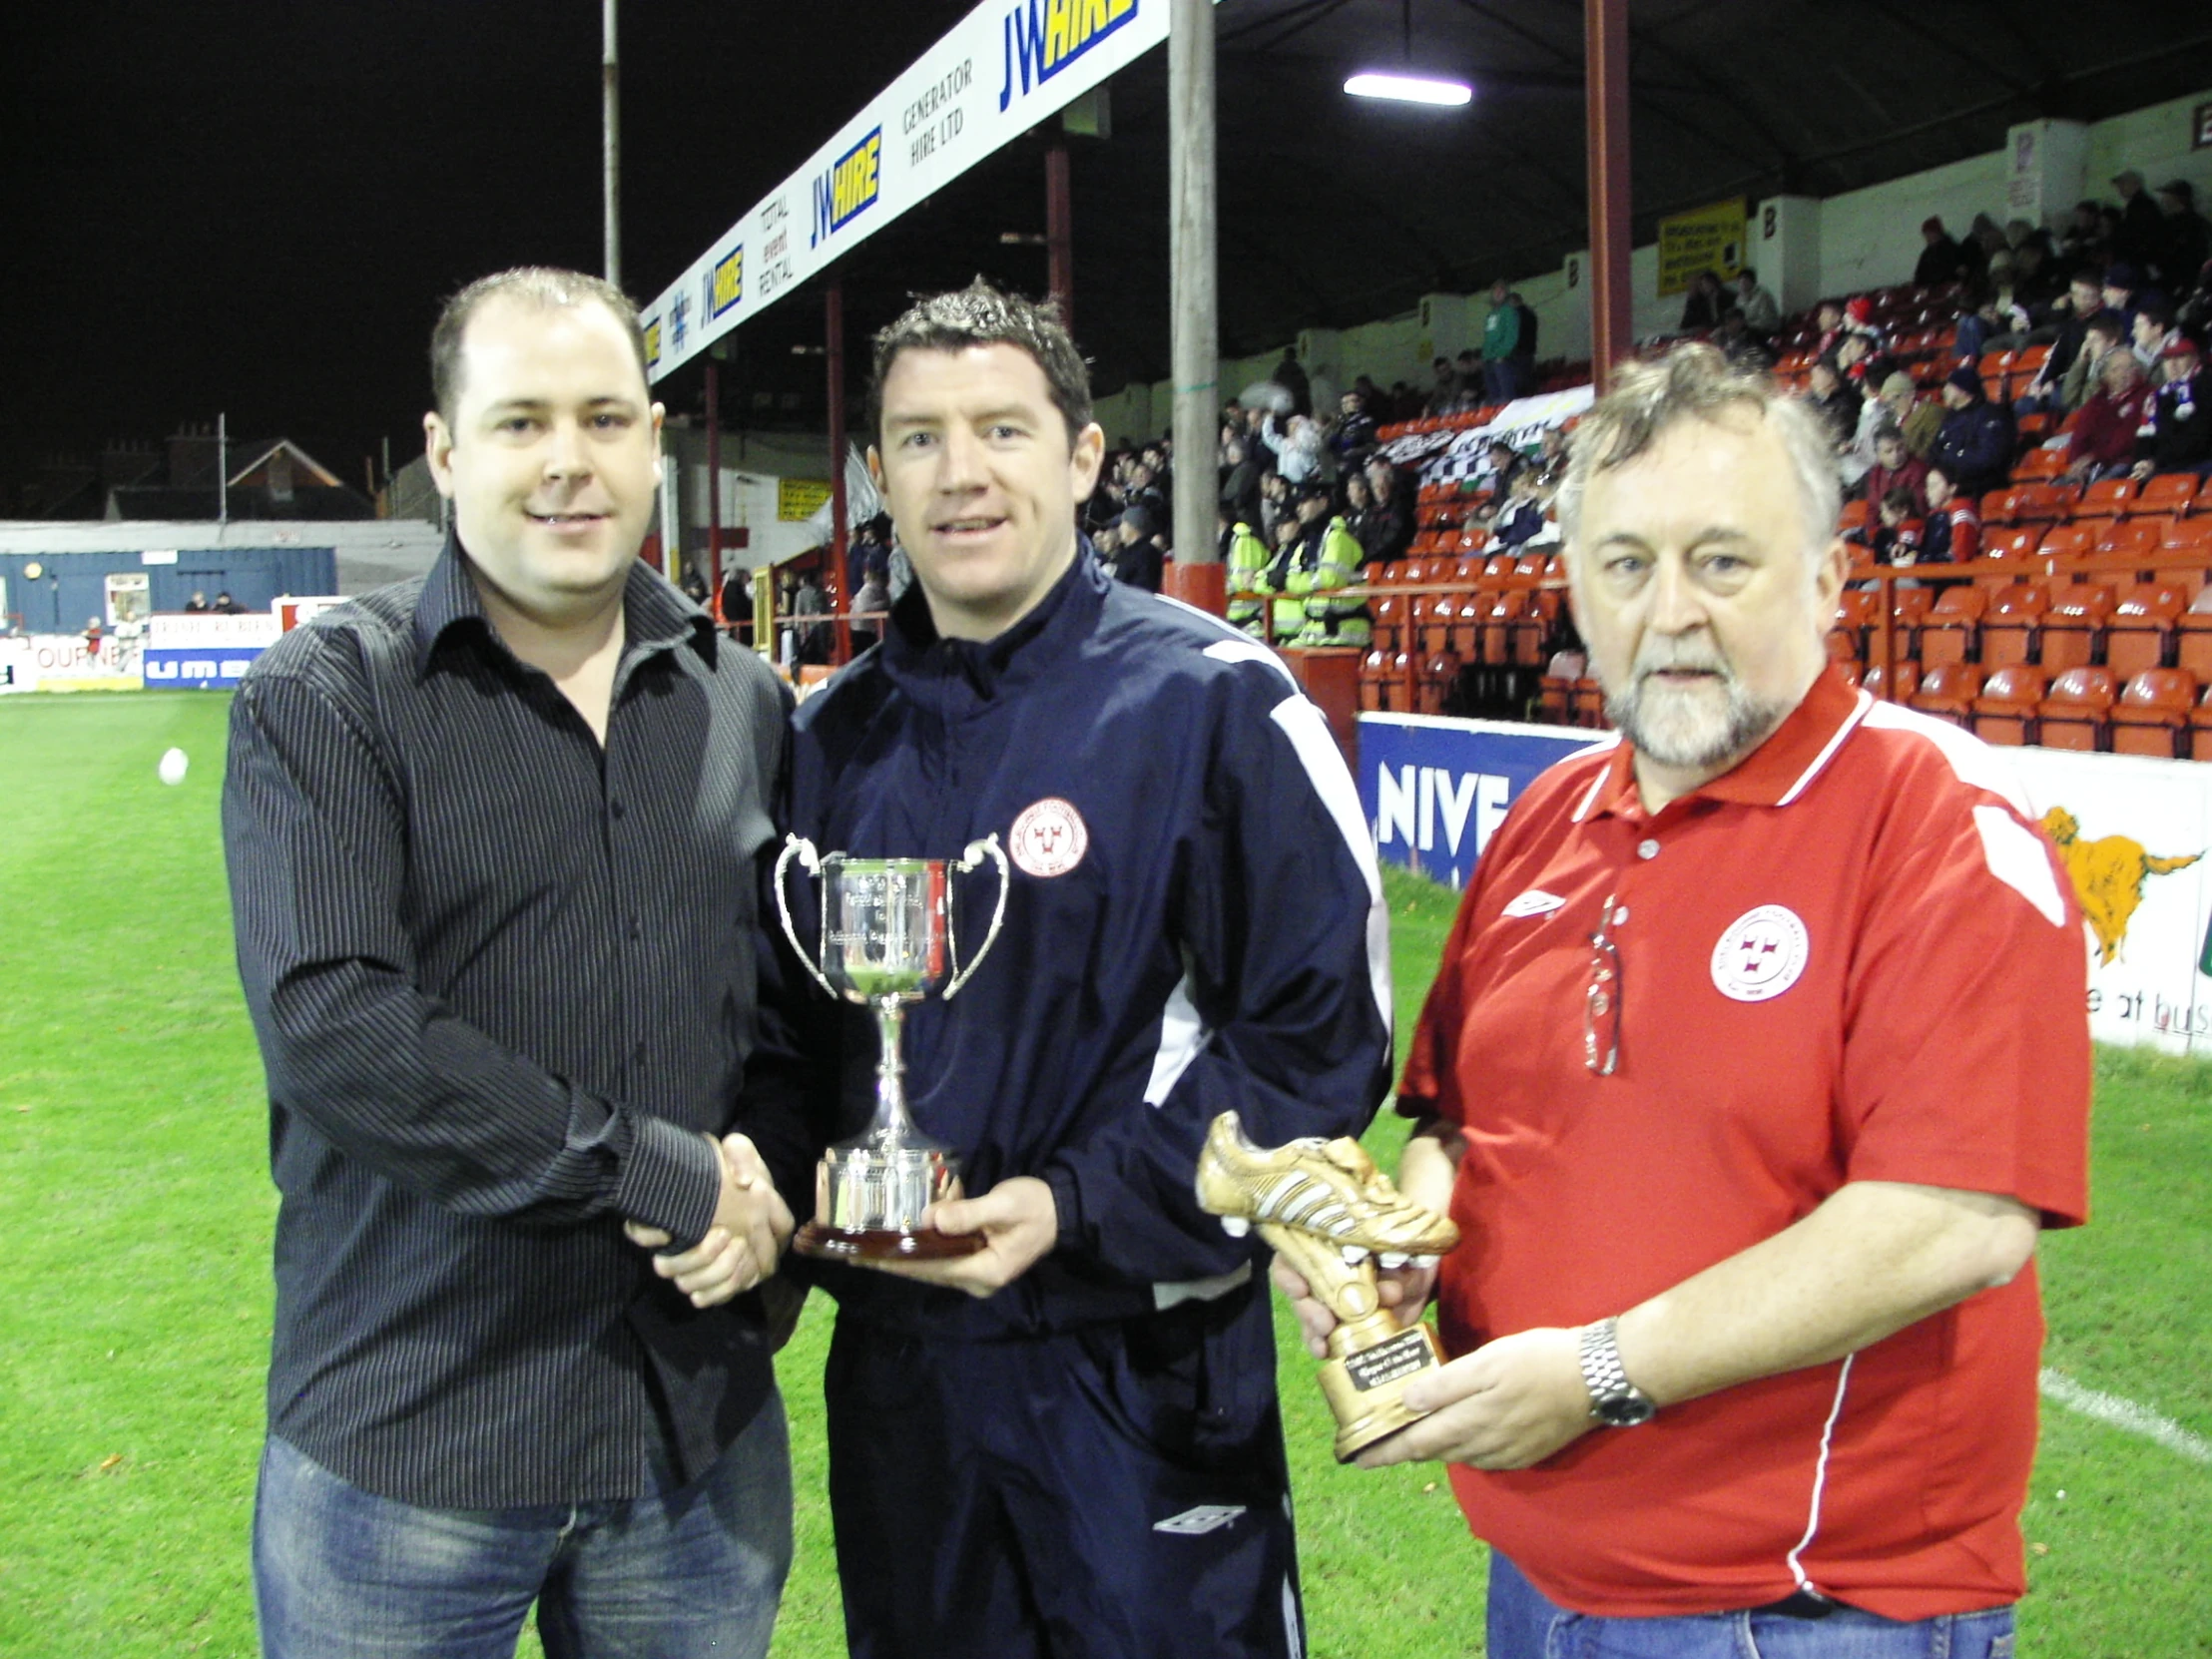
1240 481
869 602
1835 400
225 605
1551 459
1289 375
694 588
1892 536
1467 368
1984 242
1143 487
1917 418
1505 461
1952 532
1134 552
196 604
1742 347
1369 528
2176 434
1444 390
2103 441
2035 278
2188 237
2085 299
1275 504
92 637
2082 246
807 599
1829 317
1859 321
2154 327
1298 448
1501 331
1393 500
2121 284
1522 520
1762 311
1942 259
1975 443
1354 439
736 603
1896 467
1701 306
1524 349
2142 241
2107 333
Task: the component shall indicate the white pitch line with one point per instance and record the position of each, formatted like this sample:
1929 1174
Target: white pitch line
2126 1416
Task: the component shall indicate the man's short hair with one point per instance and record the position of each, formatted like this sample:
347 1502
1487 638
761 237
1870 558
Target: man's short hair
2107 325
980 315
1696 381
544 287
1746 271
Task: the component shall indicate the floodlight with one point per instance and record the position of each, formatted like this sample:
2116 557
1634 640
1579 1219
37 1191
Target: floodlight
1409 89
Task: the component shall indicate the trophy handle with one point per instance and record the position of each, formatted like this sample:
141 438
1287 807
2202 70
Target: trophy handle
799 847
970 861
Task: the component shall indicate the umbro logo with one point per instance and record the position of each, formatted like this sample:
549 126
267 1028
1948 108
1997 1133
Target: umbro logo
1207 1517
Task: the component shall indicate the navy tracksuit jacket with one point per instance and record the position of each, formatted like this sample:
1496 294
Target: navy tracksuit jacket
1219 943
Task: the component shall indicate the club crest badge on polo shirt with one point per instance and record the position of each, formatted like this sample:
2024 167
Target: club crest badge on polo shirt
1761 954
1049 839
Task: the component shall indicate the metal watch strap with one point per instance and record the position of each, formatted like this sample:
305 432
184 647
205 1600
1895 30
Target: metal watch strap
1614 1400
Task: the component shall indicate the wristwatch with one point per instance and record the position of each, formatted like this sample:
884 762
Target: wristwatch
1614 1400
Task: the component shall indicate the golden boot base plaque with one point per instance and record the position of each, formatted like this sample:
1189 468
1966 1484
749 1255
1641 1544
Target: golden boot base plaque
1330 1213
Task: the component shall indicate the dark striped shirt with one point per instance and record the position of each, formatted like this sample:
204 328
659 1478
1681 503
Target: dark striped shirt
502 979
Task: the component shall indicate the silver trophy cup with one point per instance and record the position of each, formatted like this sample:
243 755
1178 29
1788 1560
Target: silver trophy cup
887 939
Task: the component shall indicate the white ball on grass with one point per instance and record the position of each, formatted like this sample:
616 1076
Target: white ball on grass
172 768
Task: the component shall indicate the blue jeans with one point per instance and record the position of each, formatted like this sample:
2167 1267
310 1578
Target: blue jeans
682 1572
1525 1625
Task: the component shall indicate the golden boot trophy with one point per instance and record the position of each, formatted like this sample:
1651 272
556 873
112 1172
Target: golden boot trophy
1324 1208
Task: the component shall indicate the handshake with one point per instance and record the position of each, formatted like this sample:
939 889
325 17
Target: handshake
751 1227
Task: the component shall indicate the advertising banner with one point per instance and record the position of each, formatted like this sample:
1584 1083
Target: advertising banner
1704 239
66 662
2135 837
1433 789
1450 457
206 651
994 75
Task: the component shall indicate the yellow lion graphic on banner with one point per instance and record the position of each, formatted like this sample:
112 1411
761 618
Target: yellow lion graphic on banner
2108 877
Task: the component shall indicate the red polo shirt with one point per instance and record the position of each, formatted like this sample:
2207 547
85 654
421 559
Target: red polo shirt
1852 958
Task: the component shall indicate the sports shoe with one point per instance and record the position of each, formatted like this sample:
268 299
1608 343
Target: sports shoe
1330 1189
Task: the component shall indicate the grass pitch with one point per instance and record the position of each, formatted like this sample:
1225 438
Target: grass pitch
136 1207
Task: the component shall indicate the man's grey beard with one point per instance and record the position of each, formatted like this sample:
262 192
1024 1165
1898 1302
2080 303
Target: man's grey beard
1681 729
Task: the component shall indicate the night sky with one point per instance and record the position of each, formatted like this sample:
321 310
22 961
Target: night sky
256 208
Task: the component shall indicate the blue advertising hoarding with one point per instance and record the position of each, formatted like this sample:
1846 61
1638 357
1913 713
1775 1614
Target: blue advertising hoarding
1435 790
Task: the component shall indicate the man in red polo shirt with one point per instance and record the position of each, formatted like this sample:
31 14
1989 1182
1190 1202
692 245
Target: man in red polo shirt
1757 1059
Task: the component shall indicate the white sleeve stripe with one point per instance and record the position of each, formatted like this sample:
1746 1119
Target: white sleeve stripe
1182 1036
1302 723
1971 761
1241 648
2017 858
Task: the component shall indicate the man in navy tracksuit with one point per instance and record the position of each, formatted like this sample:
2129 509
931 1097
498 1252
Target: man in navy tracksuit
1081 1454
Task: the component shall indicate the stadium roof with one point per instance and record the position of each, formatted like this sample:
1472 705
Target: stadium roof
1336 210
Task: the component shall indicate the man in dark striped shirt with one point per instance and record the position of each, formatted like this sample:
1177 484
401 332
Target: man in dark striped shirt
492 840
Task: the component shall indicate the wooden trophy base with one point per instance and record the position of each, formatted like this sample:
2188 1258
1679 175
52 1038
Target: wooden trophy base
873 1245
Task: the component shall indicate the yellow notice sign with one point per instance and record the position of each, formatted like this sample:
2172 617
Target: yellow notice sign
1704 239
799 498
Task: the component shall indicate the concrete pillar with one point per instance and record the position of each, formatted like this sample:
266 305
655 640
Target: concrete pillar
1785 249
2046 166
1445 327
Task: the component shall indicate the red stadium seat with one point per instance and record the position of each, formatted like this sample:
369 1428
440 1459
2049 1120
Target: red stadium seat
2042 503
2038 466
2073 627
2068 541
2193 642
2106 498
2002 506
1899 685
2141 632
2005 713
2167 492
2010 630
1952 630
1949 692
2135 537
2013 544
1853 517
2152 715
2074 713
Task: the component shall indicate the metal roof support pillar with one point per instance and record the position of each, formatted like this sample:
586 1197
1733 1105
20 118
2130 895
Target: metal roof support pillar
1606 104
713 488
833 579
610 138
1194 301
1059 234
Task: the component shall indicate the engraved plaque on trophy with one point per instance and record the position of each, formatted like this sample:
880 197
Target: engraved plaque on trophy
887 939
1324 1208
